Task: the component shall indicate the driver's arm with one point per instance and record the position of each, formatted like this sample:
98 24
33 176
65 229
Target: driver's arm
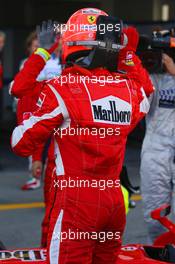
130 62
35 131
25 82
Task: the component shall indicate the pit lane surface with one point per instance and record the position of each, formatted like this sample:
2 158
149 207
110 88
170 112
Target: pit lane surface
21 212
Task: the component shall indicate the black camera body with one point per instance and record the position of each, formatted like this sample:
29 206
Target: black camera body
150 50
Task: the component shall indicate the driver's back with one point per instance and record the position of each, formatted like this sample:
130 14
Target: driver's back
99 117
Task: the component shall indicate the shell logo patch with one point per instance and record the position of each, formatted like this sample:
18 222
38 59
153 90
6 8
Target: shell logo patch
129 63
129 59
91 19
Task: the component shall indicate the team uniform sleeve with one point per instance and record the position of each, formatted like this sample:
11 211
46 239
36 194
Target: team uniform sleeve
132 65
35 130
38 154
140 79
146 81
25 82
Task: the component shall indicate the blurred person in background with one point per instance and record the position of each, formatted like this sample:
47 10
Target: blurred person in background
31 45
27 104
158 150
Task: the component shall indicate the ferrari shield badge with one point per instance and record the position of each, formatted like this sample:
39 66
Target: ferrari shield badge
91 19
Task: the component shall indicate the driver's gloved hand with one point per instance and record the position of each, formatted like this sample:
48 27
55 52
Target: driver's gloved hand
46 34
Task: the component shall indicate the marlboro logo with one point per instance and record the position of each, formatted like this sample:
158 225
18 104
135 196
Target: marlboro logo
112 110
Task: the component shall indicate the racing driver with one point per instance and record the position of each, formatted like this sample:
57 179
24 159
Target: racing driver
86 223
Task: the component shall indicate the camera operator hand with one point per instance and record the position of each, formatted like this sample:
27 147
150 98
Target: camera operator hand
169 64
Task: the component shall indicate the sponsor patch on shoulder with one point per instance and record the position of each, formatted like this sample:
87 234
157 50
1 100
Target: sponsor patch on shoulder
41 99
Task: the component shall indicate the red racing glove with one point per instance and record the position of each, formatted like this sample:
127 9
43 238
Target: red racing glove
132 39
127 56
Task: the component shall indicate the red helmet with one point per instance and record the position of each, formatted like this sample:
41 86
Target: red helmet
80 27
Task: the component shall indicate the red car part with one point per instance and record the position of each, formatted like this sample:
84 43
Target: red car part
129 254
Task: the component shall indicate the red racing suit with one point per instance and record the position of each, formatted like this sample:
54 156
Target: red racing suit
106 113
